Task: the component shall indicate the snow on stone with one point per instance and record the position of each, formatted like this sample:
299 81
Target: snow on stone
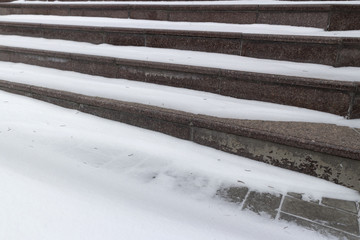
194 58
68 175
185 26
196 102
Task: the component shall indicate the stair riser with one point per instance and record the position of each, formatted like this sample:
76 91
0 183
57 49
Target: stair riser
328 96
211 132
321 16
329 51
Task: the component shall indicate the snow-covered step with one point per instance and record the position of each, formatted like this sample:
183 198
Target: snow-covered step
186 100
328 16
146 185
312 147
298 44
313 86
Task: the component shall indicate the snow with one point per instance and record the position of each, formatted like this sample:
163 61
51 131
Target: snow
193 58
196 102
184 26
69 175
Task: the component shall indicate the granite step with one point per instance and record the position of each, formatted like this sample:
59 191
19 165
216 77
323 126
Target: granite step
326 151
326 16
334 51
188 69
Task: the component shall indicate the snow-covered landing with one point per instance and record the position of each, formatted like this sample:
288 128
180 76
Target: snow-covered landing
69 175
245 2
196 102
193 58
185 26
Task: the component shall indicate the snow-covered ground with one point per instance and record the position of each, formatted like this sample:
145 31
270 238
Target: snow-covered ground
186 100
185 26
192 58
69 175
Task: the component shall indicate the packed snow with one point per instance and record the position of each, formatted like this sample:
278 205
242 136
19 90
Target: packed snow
186 100
184 26
68 175
192 58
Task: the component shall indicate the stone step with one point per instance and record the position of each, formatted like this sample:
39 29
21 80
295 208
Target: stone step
333 96
326 16
326 151
334 51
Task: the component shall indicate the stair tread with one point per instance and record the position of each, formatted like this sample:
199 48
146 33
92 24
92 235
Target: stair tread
299 125
197 102
326 15
188 58
263 29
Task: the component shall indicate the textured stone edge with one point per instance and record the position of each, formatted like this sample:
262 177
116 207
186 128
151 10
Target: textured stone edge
310 93
163 12
250 45
258 145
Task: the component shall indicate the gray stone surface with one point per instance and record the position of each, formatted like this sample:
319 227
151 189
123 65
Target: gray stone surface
321 214
263 203
300 196
318 228
295 195
330 167
332 220
233 194
340 204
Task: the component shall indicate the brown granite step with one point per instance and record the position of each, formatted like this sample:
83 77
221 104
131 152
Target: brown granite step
325 16
337 97
322 150
334 51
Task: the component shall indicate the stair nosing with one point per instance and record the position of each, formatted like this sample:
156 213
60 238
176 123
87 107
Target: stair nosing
197 120
267 77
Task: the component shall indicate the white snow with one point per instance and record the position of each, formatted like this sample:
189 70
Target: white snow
194 58
69 175
196 102
185 26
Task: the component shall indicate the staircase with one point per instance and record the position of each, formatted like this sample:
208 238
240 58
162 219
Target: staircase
216 52
241 78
